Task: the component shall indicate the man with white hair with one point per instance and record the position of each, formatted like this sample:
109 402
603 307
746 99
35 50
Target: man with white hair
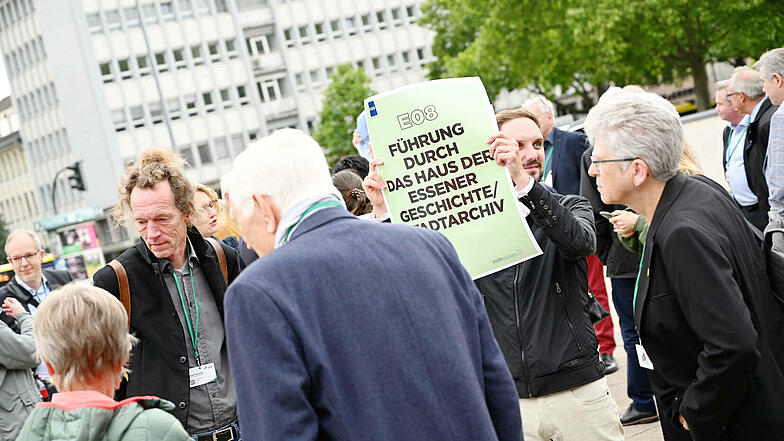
31 284
709 327
348 329
563 152
746 93
771 69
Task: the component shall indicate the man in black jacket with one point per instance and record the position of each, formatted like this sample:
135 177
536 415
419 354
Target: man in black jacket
538 308
747 94
176 296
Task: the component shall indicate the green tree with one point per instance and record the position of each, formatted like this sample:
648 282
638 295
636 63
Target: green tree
3 236
573 46
343 101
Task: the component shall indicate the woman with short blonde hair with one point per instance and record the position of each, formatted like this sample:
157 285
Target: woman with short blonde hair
81 333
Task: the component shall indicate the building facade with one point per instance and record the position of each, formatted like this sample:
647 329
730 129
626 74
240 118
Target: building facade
99 81
18 206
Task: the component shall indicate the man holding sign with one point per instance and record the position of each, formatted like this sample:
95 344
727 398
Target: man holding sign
537 307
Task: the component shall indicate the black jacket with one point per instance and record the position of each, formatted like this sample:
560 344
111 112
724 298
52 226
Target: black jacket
538 308
568 148
159 362
707 319
55 280
754 152
620 262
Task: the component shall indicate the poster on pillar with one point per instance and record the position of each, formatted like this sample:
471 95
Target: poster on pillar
432 137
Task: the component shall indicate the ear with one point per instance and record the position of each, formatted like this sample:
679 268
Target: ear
269 210
640 173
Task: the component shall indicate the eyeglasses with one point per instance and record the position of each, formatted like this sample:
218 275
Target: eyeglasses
729 95
596 162
29 257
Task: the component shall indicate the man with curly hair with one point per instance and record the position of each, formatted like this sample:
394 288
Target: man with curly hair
176 287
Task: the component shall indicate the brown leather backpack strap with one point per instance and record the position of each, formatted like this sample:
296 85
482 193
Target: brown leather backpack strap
221 258
125 291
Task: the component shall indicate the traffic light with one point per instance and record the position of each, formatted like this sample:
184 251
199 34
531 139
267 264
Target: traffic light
76 176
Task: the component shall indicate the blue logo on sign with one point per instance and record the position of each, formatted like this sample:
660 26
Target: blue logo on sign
372 107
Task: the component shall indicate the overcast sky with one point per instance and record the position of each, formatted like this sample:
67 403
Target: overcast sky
5 88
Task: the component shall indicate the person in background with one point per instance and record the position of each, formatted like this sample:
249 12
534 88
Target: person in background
81 333
207 217
349 184
18 389
31 284
709 326
357 163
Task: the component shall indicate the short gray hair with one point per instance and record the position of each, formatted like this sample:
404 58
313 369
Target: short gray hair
749 82
723 84
288 165
543 104
639 125
771 62
30 233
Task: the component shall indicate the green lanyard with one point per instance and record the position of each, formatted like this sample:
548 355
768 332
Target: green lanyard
639 272
307 212
730 152
547 161
194 333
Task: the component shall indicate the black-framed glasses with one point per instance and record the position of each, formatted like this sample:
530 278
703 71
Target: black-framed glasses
729 95
604 161
27 257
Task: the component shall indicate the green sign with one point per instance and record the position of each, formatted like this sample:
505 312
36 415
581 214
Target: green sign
440 175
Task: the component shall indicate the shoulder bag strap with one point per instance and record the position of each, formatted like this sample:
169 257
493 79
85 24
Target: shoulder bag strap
221 258
125 292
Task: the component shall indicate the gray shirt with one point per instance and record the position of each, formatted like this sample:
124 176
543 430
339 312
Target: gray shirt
212 405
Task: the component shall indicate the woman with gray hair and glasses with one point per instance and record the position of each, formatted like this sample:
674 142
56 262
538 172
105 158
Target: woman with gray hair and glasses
710 329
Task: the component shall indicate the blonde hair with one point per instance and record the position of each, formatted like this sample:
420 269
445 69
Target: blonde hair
82 331
688 164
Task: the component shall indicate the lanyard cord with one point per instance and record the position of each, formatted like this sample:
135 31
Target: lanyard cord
307 212
193 333
637 282
547 161
730 152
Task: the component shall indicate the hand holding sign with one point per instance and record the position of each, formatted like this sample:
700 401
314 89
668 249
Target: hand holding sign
374 189
506 152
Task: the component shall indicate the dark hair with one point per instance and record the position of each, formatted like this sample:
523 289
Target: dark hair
358 164
505 116
350 186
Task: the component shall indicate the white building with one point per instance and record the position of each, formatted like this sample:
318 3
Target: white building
99 81
17 193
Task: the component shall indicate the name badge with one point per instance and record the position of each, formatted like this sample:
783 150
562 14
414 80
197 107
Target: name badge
203 374
642 358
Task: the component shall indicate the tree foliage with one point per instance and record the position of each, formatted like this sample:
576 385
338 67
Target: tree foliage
343 101
3 237
573 46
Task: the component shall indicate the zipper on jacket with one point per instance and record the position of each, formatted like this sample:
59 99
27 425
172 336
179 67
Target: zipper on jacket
519 329
568 317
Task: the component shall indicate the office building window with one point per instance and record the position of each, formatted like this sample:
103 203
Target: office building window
204 154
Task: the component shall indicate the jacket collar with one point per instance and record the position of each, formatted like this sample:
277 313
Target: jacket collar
319 218
671 191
